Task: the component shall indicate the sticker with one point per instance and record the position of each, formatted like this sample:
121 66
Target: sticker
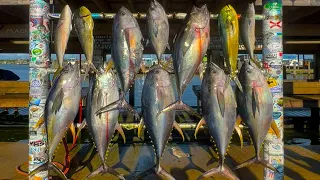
36 143
275 24
273 5
35 83
276 115
35 101
272 82
276 89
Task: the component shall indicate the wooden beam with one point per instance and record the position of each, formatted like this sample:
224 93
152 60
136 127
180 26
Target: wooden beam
103 5
301 13
14 2
17 13
295 2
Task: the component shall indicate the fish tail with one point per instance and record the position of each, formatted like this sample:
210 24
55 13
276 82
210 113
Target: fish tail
236 80
57 72
89 67
48 166
117 105
158 170
105 169
78 134
256 160
179 105
221 169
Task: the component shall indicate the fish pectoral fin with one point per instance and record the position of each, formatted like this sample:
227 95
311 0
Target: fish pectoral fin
275 129
199 125
187 44
179 105
110 107
141 124
238 130
120 130
57 103
255 102
176 125
221 169
220 97
39 169
39 123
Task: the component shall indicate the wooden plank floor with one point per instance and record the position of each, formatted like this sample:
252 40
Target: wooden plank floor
300 162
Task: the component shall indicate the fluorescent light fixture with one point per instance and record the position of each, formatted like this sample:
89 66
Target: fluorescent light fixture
19 42
303 42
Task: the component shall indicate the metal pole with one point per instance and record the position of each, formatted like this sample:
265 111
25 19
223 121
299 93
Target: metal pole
143 16
272 57
39 38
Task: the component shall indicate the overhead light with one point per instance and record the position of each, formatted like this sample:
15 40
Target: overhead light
303 42
19 42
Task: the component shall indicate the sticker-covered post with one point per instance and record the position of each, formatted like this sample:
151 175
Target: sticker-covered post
39 42
272 61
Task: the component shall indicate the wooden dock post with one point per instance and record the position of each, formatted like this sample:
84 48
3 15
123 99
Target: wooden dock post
272 55
39 49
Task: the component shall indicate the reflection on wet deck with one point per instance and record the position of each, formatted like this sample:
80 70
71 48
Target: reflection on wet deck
188 161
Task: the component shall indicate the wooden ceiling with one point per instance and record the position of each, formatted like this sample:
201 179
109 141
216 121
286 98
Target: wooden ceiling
299 22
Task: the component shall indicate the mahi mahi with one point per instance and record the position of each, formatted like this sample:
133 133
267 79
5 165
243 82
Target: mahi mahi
157 93
158 28
229 33
62 33
84 25
103 90
126 52
256 108
61 108
190 47
219 113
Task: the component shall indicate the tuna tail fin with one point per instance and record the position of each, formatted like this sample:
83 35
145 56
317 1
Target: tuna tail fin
157 169
236 80
141 124
166 67
48 166
238 130
117 105
275 129
256 160
82 125
105 169
56 73
221 169
89 67
73 132
176 125
179 105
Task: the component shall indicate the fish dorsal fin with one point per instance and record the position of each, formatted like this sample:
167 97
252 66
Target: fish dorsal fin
220 97
255 102
57 103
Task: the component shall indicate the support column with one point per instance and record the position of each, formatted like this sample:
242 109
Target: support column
272 59
39 39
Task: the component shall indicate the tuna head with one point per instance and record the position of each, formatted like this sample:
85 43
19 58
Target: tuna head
251 76
199 17
70 76
124 19
160 76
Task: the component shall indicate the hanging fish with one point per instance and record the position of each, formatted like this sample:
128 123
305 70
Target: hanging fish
229 33
126 52
158 28
61 109
157 93
61 37
84 25
103 90
219 113
190 46
255 108
247 32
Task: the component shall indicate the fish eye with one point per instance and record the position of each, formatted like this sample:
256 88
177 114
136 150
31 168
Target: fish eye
122 13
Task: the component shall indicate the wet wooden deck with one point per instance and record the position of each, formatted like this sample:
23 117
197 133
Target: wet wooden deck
130 160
